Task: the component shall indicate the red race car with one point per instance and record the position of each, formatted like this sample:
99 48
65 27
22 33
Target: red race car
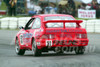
51 32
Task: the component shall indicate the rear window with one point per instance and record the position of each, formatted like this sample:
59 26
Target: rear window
54 25
60 25
68 25
58 18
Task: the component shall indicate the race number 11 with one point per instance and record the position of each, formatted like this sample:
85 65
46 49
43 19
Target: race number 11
48 42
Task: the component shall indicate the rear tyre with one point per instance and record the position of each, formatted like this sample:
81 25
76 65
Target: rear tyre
80 50
36 51
18 50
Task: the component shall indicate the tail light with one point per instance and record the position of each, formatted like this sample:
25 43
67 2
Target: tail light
44 36
81 36
51 36
84 35
48 36
78 36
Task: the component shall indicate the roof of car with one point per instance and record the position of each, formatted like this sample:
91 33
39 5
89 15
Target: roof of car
48 15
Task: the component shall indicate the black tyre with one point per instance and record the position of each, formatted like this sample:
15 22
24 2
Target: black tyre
80 50
18 50
36 51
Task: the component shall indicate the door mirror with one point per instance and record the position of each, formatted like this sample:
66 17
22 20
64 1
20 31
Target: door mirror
21 27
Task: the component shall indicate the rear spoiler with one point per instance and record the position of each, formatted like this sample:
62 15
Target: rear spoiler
64 21
69 21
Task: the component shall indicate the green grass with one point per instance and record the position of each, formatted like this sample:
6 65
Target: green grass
85 18
3 6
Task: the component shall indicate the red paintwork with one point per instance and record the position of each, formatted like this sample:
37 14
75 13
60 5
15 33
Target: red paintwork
60 34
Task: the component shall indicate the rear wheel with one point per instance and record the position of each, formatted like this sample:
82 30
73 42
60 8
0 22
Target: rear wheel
36 51
80 50
18 50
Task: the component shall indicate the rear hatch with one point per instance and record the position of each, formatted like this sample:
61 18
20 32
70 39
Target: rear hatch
64 29
64 33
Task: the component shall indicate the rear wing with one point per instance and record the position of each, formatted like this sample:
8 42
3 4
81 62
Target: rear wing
69 21
64 21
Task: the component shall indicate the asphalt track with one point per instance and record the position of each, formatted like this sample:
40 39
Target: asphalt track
8 57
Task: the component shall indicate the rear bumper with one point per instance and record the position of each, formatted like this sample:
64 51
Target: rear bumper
61 43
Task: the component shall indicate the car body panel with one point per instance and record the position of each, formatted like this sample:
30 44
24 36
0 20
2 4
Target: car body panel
62 36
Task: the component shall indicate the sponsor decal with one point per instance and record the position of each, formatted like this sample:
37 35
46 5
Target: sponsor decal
49 31
27 35
25 38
